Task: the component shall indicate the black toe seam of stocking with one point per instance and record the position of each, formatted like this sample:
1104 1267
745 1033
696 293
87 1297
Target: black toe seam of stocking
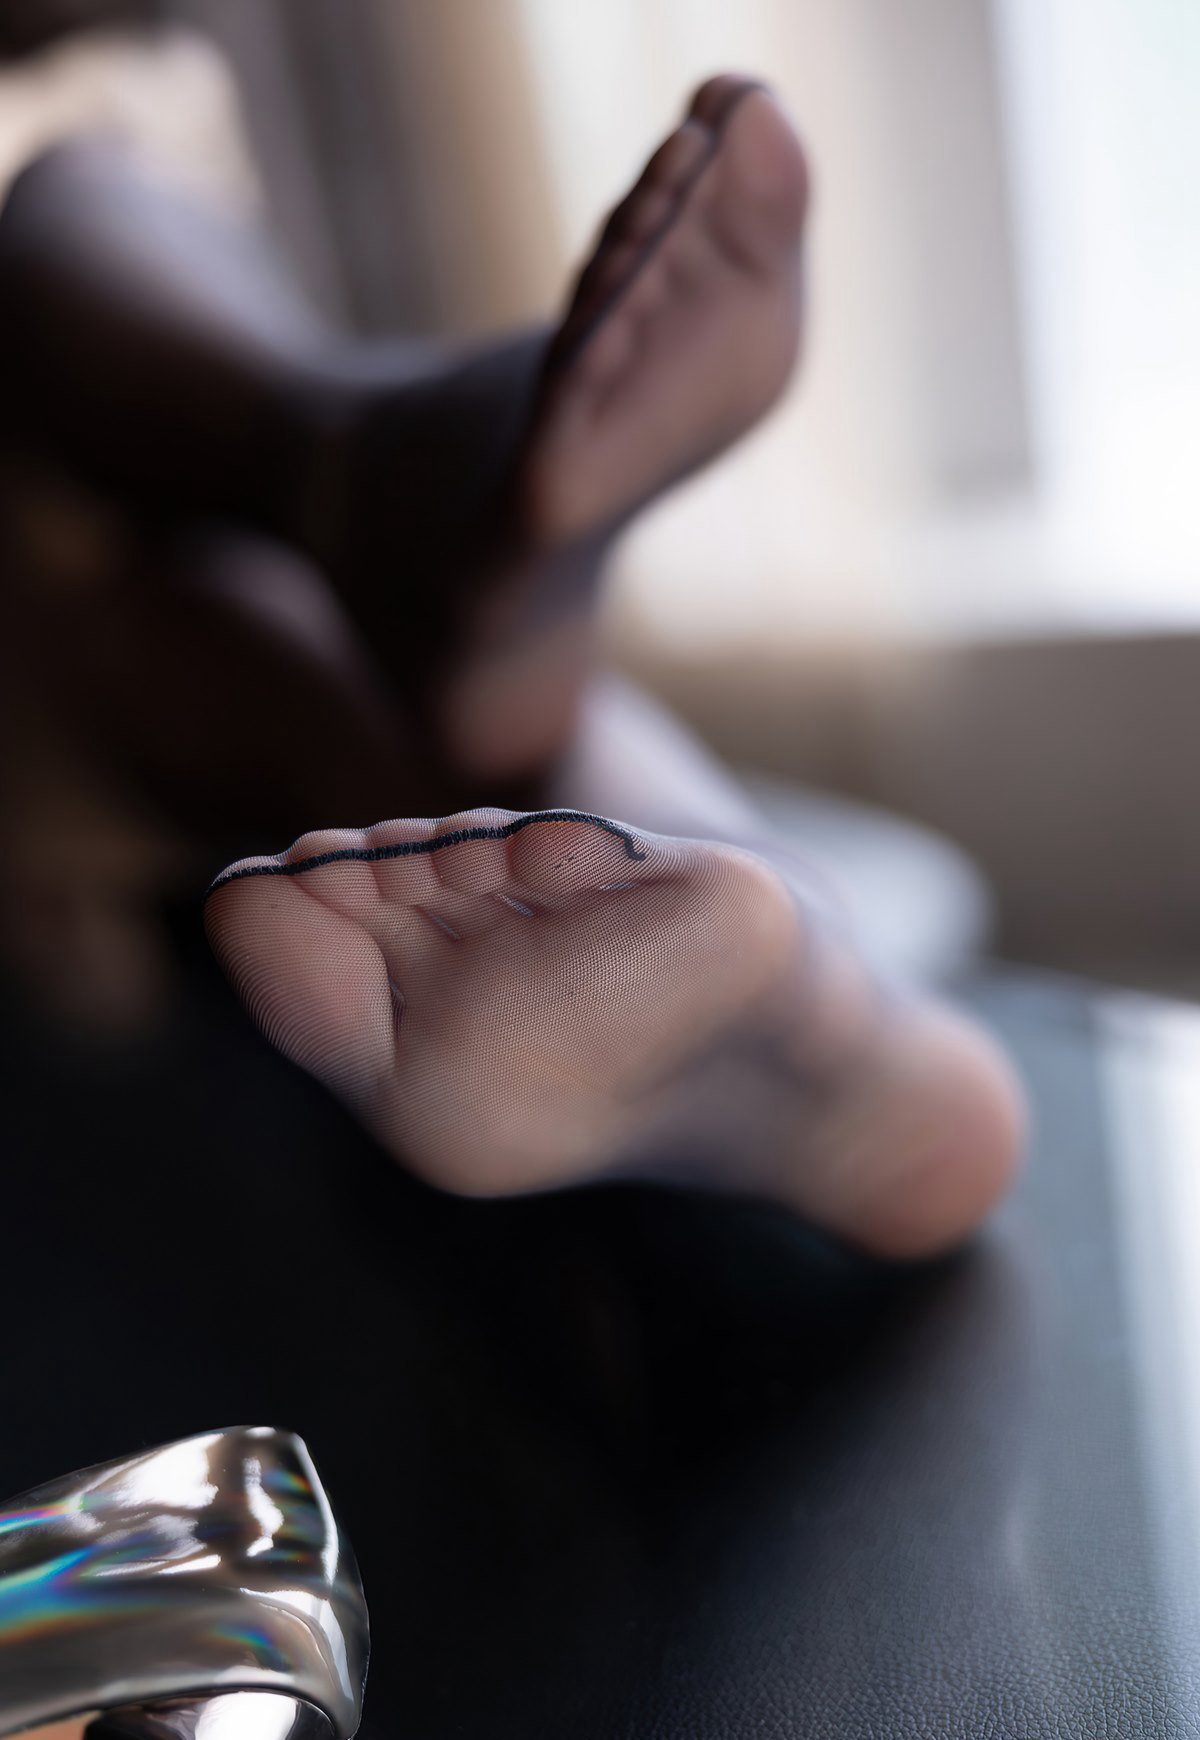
412 848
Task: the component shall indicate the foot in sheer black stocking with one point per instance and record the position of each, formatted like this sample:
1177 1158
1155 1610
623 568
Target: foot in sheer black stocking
461 507
474 509
522 1002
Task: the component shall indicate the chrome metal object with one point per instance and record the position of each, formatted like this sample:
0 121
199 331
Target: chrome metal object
227 1716
198 1591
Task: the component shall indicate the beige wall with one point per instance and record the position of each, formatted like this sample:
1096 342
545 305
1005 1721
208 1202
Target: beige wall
1066 767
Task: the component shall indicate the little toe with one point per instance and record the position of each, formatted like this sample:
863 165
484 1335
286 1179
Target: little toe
310 974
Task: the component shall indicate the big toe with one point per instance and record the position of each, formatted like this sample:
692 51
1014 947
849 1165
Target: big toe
765 183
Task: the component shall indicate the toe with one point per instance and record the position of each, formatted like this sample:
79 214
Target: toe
653 197
244 869
470 851
402 868
714 101
604 277
763 176
561 854
311 976
331 865
664 178
319 846
436 880
640 218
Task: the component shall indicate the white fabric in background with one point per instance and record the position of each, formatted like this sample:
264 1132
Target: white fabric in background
166 91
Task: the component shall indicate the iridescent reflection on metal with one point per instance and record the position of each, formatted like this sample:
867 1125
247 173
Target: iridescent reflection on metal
203 1567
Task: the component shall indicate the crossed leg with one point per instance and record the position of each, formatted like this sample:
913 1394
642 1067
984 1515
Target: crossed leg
515 1000
460 506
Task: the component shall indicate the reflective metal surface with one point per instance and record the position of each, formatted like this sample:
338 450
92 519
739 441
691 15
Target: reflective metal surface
228 1716
211 1565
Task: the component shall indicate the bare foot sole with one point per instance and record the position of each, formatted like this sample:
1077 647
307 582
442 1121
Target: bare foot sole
524 1002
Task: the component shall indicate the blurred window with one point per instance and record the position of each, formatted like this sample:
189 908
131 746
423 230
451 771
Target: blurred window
996 427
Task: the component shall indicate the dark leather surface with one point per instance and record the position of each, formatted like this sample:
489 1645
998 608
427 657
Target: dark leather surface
628 1466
